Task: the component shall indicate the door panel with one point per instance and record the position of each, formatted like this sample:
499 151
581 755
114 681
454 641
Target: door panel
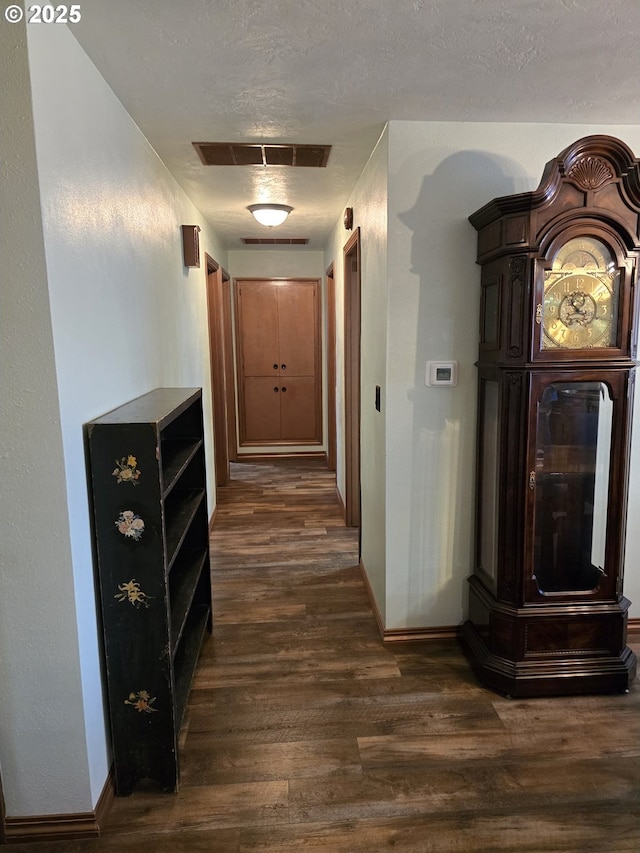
258 315
297 328
298 409
261 409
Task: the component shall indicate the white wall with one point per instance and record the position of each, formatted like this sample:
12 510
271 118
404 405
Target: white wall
125 317
439 173
276 263
369 202
42 726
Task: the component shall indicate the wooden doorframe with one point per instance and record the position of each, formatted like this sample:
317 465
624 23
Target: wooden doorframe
352 330
229 366
219 326
3 817
331 370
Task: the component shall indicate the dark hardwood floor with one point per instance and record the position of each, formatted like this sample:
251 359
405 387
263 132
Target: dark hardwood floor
305 733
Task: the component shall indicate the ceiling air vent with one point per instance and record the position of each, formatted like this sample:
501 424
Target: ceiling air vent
275 241
247 154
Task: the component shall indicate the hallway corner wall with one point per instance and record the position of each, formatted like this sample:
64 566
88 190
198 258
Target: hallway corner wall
100 309
369 202
440 173
43 749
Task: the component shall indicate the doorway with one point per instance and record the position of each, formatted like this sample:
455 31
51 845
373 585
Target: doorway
352 325
222 377
2 816
331 370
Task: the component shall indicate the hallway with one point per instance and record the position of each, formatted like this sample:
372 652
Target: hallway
305 733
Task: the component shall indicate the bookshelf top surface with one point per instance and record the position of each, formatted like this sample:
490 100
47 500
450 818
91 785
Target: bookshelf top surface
157 407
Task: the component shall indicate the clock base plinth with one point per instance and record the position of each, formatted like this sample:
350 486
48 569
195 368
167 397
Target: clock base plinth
548 651
527 680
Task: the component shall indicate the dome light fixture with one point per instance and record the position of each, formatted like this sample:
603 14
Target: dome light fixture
270 214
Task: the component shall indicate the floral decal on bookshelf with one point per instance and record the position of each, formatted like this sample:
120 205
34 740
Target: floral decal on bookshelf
127 470
130 525
132 593
142 702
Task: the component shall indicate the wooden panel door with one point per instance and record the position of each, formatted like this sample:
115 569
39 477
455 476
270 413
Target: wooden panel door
261 409
297 409
279 362
297 328
258 323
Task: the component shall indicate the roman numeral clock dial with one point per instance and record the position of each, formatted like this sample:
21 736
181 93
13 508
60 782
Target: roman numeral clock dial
581 289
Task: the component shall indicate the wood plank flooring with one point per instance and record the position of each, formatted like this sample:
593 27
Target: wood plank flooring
305 733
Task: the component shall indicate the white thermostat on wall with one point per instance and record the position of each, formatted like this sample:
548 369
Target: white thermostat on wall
441 373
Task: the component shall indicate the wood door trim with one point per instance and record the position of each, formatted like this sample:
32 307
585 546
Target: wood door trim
229 361
2 816
215 314
331 370
352 321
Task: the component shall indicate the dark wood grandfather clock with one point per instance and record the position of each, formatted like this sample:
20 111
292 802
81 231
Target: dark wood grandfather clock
556 375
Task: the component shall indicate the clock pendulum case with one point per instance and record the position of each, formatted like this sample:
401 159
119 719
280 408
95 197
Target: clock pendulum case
556 376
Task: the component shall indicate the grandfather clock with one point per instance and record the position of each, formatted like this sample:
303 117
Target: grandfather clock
556 375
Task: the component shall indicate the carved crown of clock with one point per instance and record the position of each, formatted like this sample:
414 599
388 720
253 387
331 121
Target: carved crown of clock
591 163
590 173
582 291
577 239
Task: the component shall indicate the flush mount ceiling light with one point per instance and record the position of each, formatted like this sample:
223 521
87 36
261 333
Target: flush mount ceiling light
270 214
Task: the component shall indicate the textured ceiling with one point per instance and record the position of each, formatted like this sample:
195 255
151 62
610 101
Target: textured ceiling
333 72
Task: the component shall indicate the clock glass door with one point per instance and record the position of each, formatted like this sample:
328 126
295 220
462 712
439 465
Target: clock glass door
573 439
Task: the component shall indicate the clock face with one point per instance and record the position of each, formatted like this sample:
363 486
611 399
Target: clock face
581 291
